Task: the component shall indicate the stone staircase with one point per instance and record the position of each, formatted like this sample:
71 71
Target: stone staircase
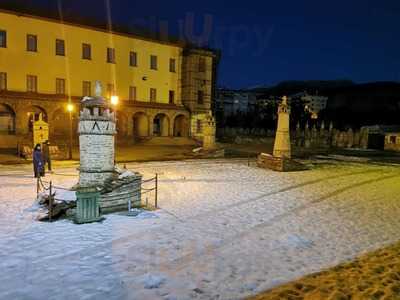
169 141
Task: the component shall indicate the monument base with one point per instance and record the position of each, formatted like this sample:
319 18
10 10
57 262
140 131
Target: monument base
117 193
279 164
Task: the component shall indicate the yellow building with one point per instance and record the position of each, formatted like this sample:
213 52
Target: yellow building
165 88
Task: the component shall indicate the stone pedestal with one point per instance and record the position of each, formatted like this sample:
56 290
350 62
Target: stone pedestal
281 164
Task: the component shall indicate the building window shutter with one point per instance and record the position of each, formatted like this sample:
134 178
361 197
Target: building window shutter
31 43
133 59
132 93
153 62
3 39
3 81
60 47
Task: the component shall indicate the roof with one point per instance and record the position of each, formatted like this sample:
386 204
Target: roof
99 25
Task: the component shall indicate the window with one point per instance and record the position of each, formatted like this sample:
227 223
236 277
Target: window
133 59
153 62
198 126
60 86
3 39
31 43
86 88
202 64
171 97
110 90
132 93
153 95
86 51
200 97
111 55
3 81
31 83
60 47
172 65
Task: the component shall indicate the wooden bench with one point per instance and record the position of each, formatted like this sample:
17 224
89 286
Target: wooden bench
26 152
55 153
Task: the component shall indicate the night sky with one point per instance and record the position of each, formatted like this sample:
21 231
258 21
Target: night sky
265 42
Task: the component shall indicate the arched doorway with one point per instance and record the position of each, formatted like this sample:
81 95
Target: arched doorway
161 125
140 125
33 113
122 129
181 128
7 119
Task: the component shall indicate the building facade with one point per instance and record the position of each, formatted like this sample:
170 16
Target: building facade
232 102
314 103
164 88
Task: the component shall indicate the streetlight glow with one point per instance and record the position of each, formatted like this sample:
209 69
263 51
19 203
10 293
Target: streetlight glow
114 100
70 107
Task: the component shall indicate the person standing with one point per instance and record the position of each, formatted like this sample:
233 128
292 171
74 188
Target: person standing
46 155
38 164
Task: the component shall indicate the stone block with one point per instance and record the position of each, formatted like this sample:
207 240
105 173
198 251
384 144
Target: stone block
281 164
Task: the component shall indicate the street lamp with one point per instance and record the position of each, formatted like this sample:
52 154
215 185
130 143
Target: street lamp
114 102
70 109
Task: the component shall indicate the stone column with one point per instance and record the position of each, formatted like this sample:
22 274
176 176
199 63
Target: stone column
282 147
96 143
209 130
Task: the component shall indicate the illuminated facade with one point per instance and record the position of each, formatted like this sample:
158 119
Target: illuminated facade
165 89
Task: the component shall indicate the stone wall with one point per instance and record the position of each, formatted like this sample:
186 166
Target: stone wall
322 138
303 138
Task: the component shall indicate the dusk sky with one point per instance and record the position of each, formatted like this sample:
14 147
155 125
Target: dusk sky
265 42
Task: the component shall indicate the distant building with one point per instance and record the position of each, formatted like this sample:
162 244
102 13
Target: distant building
314 103
383 137
232 102
392 141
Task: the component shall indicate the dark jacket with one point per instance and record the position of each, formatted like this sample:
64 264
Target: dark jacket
38 163
46 152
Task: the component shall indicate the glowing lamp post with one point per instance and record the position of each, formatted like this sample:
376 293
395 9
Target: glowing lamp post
70 109
114 102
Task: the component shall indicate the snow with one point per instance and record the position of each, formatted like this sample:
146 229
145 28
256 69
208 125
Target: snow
126 174
64 195
224 230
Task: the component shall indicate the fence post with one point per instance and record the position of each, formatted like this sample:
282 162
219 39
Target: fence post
50 202
156 193
37 186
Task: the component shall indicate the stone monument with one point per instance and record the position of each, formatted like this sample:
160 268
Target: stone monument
97 129
97 171
282 139
209 131
281 158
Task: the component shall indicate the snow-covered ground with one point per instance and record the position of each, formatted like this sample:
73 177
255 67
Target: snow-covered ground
225 231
